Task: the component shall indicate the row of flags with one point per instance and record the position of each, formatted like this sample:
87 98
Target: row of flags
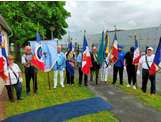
44 60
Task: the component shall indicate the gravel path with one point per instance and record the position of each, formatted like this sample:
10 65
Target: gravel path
125 107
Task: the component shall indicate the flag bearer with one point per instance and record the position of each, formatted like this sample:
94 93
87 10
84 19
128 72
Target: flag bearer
30 71
130 68
119 66
146 62
79 63
59 67
95 64
105 69
70 63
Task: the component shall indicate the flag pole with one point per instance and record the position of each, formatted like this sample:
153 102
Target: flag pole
48 73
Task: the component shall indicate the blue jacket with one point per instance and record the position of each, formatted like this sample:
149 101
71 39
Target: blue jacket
60 62
120 61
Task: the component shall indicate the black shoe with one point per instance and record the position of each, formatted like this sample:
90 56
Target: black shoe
28 93
12 100
20 98
86 84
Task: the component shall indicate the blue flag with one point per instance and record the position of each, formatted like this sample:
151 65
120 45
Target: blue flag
0 38
70 46
69 56
85 43
38 37
157 60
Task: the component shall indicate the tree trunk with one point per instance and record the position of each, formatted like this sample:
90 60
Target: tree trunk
17 53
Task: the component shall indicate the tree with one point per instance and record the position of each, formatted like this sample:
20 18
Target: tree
25 18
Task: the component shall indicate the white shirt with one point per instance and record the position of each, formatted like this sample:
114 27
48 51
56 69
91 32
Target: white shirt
26 58
150 59
12 77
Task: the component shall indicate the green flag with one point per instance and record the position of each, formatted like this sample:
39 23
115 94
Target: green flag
101 50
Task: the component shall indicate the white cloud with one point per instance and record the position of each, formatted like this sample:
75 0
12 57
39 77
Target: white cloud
95 16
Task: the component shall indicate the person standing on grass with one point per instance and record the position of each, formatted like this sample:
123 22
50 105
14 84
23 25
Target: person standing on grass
119 66
59 67
70 63
14 80
146 62
95 64
130 68
30 71
105 69
79 64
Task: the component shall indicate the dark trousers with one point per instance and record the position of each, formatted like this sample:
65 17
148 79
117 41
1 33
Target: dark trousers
31 74
10 91
96 72
131 73
70 78
81 76
115 71
145 77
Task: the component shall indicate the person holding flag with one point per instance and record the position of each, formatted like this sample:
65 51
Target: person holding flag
70 63
130 68
146 62
95 64
116 57
59 67
30 70
119 65
86 61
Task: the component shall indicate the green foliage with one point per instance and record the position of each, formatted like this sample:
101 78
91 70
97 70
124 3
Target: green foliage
27 17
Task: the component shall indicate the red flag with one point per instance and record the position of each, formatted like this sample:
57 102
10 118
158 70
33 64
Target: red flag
114 50
3 74
137 55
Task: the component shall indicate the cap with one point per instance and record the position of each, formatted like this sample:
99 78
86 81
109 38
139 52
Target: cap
150 48
120 46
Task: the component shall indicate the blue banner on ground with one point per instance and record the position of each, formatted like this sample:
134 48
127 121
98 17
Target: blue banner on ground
63 112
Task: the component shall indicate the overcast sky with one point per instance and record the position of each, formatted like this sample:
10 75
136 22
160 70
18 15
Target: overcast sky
95 16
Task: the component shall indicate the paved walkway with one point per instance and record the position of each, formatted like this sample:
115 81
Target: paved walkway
125 107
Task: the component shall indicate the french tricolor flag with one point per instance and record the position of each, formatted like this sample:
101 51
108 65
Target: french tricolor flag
157 60
86 58
114 50
3 60
137 55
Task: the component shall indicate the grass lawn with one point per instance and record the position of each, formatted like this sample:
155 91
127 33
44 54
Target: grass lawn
146 98
60 95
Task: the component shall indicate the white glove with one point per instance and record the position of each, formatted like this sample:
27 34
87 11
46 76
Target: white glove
124 67
138 72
